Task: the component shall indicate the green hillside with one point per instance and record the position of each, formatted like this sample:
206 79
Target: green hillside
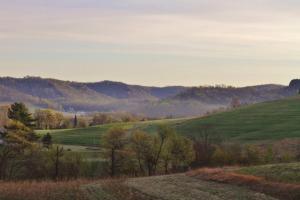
265 121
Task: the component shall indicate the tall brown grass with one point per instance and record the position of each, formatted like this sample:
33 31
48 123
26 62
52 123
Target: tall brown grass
120 191
44 190
108 189
279 190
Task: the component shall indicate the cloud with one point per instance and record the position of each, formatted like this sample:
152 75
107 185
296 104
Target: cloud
202 33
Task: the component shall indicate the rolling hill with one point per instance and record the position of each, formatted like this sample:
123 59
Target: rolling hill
274 120
108 96
264 121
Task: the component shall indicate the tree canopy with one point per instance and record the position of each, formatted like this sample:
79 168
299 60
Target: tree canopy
19 112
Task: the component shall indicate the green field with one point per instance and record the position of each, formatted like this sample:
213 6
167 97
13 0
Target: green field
91 136
265 121
260 122
287 172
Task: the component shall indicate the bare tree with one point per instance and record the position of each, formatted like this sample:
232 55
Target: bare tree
204 143
56 154
114 141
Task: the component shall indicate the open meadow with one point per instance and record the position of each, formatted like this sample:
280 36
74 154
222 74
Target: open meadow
270 121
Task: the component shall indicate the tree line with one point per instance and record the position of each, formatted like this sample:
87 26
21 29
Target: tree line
51 119
23 157
140 153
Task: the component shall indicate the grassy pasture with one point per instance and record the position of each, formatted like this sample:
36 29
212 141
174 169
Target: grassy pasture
260 122
88 153
265 121
91 136
287 172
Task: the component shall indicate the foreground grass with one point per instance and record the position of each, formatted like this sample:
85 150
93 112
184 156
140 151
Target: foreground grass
287 190
44 190
288 173
108 189
171 187
113 189
180 186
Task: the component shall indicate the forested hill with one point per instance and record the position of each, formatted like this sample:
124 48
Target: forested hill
108 96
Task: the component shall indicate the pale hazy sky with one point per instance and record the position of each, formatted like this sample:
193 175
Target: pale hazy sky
152 42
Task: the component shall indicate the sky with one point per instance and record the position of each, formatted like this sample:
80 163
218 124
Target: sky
152 42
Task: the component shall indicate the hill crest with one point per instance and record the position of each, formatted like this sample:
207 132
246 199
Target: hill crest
110 96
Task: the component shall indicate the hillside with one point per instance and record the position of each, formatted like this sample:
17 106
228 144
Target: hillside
245 183
124 91
264 121
105 96
108 96
181 186
285 173
91 136
277 180
246 95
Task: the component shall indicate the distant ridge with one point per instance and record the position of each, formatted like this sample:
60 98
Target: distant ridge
295 84
109 96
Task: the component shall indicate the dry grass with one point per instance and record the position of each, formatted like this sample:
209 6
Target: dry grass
180 186
284 172
172 187
109 189
44 190
119 190
278 190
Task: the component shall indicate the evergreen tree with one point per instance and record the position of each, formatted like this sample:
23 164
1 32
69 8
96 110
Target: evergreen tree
47 140
19 112
75 121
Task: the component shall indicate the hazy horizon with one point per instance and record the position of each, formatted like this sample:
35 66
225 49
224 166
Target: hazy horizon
153 43
132 83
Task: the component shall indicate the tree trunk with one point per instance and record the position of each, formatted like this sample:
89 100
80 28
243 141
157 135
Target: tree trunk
140 165
57 163
113 162
149 170
158 155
